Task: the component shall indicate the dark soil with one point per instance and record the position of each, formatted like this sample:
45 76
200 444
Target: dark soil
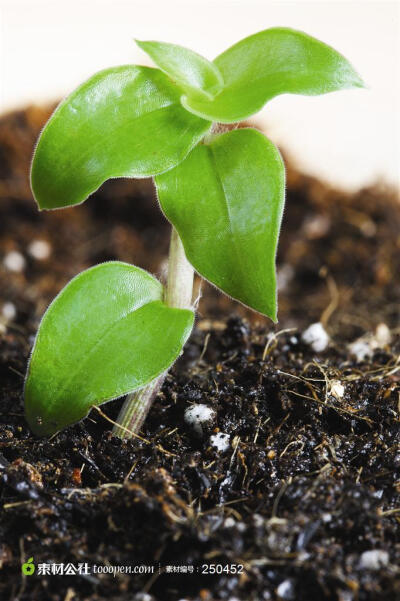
310 480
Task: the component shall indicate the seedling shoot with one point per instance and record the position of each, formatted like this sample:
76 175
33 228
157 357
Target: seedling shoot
115 330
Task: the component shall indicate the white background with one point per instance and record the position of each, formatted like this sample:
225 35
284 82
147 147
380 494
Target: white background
349 138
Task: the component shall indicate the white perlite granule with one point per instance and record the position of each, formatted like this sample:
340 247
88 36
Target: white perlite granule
382 335
374 559
220 441
316 336
14 261
9 311
337 389
143 597
286 590
39 249
198 415
363 348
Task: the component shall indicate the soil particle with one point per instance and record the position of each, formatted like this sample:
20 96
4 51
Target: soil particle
306 495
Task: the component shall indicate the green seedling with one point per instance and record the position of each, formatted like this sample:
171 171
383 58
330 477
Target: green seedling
114 329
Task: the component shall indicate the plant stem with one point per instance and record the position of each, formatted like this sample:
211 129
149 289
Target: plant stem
180 275
136 407
178 294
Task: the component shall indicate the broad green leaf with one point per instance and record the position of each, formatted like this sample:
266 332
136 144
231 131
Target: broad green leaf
106 334
268 63
226 201
190 70
123 122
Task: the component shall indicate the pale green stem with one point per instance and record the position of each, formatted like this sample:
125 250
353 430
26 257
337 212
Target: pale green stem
178 294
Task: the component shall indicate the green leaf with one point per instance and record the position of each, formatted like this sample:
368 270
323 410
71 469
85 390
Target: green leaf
123 122
268 63
226 201
106 334
190 70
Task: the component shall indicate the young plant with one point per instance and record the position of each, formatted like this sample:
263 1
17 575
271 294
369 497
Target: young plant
114 329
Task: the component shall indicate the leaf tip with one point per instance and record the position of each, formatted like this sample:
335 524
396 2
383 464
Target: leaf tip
361 84
36 198
272 314
41 204
351 79
140 43
358 82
